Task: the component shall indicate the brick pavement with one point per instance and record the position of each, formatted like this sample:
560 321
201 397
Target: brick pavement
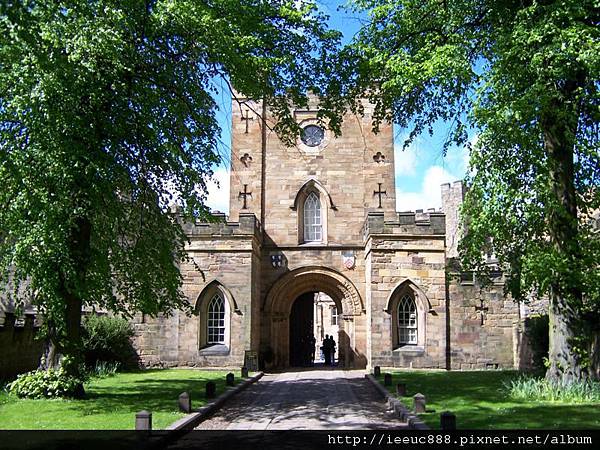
306 400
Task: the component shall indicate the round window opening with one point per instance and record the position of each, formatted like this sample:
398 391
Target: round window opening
312 135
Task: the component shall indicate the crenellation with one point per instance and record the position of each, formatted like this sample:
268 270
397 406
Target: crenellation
248 224
407 223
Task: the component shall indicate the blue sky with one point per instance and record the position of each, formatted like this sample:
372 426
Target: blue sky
420 169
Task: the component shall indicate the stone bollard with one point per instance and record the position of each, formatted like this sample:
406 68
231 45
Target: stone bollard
229 379
143 421
211 389
185 402
419 403
244 372
377 371
401 389
387 379
447 421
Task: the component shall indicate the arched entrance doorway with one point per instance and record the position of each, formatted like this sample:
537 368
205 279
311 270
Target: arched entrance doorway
279 302
313 318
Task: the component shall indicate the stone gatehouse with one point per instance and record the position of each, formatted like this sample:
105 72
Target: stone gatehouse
320 217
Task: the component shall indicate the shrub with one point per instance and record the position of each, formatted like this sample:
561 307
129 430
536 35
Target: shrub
107 339
539 389
46 384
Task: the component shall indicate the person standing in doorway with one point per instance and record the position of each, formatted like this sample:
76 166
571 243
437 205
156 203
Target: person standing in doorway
327 350
332 347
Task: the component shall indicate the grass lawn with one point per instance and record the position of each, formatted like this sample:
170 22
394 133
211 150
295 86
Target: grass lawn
112 402
480 401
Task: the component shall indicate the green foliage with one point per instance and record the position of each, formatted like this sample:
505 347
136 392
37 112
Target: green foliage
518 82
107 117
106 339
542 390
51 383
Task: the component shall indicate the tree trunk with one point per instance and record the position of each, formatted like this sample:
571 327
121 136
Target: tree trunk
50 358
559 126
69 343
565 365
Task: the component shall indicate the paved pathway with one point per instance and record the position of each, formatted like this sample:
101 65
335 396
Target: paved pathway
323 399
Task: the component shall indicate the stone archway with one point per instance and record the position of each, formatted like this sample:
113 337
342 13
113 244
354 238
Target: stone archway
278 304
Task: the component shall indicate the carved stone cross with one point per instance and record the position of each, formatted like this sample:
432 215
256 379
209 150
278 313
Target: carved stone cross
247 119
379 192
482 310
245 195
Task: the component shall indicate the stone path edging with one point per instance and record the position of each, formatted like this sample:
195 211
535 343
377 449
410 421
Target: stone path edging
414 422
192 420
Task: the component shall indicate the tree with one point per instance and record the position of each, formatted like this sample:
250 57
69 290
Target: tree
107 118
523 75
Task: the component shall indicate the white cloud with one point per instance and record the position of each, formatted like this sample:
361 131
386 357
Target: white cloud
430 195
405 160
218 191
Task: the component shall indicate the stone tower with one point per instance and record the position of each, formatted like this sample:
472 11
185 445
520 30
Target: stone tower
347 171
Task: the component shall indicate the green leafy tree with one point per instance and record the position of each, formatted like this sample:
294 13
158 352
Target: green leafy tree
525 76
106 118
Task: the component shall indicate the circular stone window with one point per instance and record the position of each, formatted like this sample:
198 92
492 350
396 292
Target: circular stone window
312 135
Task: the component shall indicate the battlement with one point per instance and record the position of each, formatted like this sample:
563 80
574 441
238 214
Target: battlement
28 321
408 223
20 348
248 225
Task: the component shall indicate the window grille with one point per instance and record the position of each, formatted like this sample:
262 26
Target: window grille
216 320
313 228
407 320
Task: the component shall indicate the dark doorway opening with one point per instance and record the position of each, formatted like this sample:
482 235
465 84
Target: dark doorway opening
302 341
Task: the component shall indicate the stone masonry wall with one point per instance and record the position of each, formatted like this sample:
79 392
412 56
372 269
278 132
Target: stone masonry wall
224 253
322 257
411 250
20 351
477 344
452 198
348 167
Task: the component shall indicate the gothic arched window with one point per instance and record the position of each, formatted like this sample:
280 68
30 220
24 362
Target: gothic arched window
313 225
407 320
215 317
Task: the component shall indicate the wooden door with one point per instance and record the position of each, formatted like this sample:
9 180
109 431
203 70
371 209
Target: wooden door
301 331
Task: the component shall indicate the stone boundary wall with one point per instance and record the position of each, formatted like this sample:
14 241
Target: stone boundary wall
20 351
481 338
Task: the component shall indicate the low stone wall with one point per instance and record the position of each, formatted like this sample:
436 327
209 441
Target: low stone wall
20 351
